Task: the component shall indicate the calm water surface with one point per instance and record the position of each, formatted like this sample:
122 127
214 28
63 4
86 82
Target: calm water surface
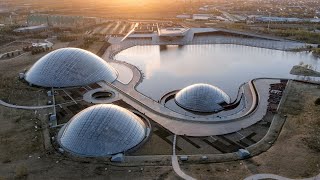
225 66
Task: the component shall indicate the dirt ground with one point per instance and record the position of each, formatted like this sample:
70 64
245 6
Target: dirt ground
14 91
95 47
11 67
293 155
23 154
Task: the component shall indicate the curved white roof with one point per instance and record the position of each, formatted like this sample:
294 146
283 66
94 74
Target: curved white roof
102 130
201 98
69 67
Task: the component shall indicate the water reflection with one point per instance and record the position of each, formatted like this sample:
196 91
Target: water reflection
223 65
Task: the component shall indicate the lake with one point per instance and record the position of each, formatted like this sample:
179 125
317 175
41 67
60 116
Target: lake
226 66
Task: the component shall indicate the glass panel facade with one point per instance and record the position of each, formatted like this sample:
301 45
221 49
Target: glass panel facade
102 130
201 98
69 67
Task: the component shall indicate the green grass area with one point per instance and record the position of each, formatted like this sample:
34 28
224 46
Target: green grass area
305 34
300 35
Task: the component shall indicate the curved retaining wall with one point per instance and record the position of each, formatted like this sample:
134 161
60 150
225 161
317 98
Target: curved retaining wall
186 118
255 97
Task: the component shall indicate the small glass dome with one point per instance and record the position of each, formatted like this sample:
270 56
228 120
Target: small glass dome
202 98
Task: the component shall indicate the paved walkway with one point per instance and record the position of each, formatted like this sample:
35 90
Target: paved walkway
242 108
177 170
276 177
175 162
129 90
189 39
24 107
125 74
256 96
181 124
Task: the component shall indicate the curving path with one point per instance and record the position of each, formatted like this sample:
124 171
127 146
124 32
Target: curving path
177 169
256 97
164 98
125 74
256 93
185 125
276 177
175 162
88 97
130 91
24 107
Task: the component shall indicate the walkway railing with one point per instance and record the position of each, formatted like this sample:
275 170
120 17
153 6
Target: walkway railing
186 118
113 49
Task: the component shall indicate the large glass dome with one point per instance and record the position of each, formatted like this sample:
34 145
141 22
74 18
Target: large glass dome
202 98
102 130
69 67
